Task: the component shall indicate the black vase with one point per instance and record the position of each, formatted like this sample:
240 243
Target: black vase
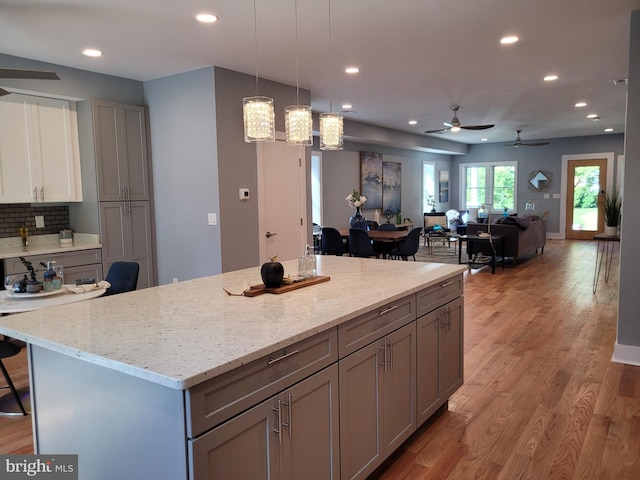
272 274
358 221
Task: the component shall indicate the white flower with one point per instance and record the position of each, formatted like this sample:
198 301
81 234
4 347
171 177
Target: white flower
355 199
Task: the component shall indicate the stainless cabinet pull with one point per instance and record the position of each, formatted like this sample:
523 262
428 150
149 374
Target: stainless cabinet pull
286 354
35 194
42 194
448 318
384 357
289 405
390 309
446 284
391 353
279 413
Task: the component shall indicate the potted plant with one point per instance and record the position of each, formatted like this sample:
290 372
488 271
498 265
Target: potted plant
612 212
31 284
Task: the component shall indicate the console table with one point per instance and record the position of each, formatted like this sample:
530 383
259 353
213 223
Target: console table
604 252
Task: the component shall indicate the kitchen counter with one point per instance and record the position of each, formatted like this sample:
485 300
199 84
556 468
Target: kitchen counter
46 244
180 335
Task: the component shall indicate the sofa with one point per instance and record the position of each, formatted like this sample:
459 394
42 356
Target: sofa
522 235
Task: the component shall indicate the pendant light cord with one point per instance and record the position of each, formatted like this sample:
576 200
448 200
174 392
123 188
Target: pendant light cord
330 63
297 77
255 32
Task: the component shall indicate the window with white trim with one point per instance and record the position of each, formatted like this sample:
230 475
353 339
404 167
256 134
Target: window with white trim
428 186
492 184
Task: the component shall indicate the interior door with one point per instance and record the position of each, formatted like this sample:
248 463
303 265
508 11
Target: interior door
586 181
282 202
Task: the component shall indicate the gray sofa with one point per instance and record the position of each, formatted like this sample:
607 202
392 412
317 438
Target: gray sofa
522 235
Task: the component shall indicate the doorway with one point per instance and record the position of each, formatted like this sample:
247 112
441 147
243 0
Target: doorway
586 184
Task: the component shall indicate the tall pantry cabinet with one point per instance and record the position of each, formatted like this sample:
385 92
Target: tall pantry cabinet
123 186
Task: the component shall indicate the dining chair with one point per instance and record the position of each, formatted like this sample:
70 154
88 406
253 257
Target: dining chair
408 247
8 349
387 227
331 242
360 244
372 225
123 277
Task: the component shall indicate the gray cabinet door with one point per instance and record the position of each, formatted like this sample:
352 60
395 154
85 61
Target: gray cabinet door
290 436
126 236
311 443
377 401
429 393
121 151
452 350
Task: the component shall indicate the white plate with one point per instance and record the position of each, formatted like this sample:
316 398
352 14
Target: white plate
40 294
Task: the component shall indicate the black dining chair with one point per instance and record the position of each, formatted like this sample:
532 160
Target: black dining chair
360 244
408 247
331 242
8 349
123 277
387 227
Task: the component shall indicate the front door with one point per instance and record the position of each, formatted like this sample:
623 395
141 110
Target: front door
282 203
586 181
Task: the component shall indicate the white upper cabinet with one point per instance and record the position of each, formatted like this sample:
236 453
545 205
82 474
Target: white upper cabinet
39 154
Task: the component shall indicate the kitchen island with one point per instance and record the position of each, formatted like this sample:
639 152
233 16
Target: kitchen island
184 381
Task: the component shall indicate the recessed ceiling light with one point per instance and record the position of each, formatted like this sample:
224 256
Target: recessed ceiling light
592 115
551 77
580 104
413 122
206 17
509 40
92 52
608 129
484 139
352 69
347 106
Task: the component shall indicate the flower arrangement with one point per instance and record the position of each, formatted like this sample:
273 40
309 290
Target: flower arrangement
355 200
29 266
431 202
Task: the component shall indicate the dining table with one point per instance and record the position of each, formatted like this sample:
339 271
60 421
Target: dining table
28 302
385 239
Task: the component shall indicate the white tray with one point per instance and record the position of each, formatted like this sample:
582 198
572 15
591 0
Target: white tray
40 294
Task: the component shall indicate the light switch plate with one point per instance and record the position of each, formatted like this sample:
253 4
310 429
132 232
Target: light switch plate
244 194
212 219
39 221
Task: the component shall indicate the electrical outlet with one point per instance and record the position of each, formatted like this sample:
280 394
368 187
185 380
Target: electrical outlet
175 279
39 221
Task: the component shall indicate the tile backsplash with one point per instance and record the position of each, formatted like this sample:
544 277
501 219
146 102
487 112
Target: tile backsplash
14 215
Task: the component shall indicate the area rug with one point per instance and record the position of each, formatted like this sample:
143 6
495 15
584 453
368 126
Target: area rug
440 255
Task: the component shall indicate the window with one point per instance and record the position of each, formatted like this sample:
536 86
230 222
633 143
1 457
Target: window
428 186
316 188
490 184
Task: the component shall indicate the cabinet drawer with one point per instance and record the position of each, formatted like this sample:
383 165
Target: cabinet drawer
371 326
433 297
222 397
66 259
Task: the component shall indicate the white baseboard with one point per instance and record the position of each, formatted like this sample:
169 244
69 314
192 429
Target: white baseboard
627 354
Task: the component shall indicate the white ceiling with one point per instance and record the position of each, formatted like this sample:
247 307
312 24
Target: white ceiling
416 57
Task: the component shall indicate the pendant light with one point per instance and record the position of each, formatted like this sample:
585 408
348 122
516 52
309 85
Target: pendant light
331 123
298 124
257 112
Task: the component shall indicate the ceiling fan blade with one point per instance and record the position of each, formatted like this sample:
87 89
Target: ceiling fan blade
3 92
28 74
540 144
476 127
440 130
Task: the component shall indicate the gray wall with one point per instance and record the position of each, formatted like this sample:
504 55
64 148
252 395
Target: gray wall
341 174
237 163
185 174
628 306
532 159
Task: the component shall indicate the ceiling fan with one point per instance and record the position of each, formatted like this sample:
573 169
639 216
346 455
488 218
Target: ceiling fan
15 73
520 143
455 125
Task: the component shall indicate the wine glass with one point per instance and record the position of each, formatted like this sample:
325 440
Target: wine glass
9 282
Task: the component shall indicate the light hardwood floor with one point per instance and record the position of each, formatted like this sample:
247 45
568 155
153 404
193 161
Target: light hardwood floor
541 398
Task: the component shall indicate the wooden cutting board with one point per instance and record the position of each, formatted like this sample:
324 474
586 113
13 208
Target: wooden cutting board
256 290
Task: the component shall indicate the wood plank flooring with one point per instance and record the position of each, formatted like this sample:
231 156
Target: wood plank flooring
541 398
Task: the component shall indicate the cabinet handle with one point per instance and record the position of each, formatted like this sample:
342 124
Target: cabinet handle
387 310
42 194
35 194
448 318
289 405
279 413
286 354
446 284
391 353
384 358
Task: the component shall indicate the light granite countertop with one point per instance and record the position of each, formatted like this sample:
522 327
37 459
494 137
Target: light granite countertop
46 245
182 334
